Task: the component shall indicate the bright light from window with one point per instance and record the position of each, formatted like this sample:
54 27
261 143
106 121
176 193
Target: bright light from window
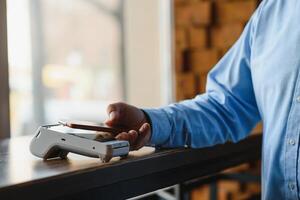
64 60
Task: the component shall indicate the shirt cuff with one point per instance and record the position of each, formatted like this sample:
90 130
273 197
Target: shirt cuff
160 126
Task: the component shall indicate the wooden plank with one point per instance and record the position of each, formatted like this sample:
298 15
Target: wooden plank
234 11
197 13
87 178
178 61
4 85
201 13
202 61
185 86
224 36
181 38
183 16
198 38
202 79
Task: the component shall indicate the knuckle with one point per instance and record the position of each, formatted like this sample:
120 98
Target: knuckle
118 106
120 103
110 107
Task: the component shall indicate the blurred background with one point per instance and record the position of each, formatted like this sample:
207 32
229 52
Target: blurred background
71 58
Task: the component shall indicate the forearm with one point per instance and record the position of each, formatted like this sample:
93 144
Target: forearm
203 121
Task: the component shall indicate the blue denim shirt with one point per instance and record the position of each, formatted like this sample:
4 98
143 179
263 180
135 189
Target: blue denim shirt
258 79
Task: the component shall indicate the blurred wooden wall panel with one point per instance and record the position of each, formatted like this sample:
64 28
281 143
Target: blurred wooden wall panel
183 16
201 13
203 60
185 85
178 61
201 82
181 36
197 38
224 36
234 11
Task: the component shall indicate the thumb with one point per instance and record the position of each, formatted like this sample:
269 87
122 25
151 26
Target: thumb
113 116
113 111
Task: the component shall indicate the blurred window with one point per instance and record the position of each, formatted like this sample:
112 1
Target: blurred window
66 60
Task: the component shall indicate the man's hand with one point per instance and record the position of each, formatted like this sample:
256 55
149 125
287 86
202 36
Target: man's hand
132 119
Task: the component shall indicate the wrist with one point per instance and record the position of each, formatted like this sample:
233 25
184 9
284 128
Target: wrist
146 118
160 126
148 121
